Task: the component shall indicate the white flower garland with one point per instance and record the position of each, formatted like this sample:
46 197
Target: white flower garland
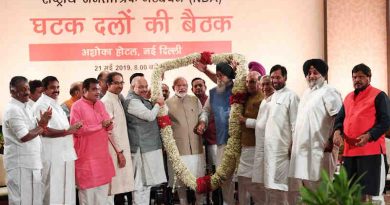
233 147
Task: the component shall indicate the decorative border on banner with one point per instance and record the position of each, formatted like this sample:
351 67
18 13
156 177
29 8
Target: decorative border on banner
122 51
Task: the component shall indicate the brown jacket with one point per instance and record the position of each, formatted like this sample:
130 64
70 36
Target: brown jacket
251 109
184 116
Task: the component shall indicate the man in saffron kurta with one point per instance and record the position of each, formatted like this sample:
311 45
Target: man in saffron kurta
94 166
76 91
123 182
362 122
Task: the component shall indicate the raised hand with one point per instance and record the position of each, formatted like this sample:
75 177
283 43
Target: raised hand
200 66
45 117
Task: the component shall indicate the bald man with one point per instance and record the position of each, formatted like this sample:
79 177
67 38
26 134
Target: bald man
75 92
102 78
248 138
145 140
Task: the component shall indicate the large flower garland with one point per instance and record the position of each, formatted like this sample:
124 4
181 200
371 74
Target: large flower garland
233 147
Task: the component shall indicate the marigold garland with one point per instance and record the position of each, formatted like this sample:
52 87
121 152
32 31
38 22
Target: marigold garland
233 147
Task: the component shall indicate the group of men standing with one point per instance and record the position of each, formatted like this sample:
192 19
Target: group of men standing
291 139
109 145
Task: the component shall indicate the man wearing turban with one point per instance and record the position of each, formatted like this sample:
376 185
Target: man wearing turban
312 145
218 104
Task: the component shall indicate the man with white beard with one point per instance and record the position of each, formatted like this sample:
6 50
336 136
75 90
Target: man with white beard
218 103
312 141
184 111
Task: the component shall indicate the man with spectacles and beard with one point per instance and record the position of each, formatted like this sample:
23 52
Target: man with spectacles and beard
184 110
122 183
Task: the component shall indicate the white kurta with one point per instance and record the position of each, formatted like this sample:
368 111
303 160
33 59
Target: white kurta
259 125
58 156
278 138
22 160
123 181
314 125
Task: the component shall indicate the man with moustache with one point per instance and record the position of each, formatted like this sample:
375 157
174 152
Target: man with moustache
259 125
94 166
22 145
361 123
248 138
122 183
199 89
76 91
102 78
36 89
183 112
312 141
145 140
218 103
165 91
279 129
58 154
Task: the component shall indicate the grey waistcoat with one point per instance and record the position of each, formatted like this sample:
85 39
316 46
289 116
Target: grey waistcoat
142 134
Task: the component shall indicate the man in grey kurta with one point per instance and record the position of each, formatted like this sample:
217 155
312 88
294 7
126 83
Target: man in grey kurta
145 140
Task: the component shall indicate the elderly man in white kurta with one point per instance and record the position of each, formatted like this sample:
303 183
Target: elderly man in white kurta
278 137
259 125
22 146
58 153
122 183
312 142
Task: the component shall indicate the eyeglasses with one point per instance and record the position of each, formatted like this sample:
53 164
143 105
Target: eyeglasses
118 83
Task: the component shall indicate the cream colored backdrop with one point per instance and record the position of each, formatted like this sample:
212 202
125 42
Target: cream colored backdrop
357 34
285 32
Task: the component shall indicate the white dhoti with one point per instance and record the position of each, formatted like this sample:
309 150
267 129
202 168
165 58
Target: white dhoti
245 184
212 154
58 179
148 171
196 165
24 186
96 196
228 185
